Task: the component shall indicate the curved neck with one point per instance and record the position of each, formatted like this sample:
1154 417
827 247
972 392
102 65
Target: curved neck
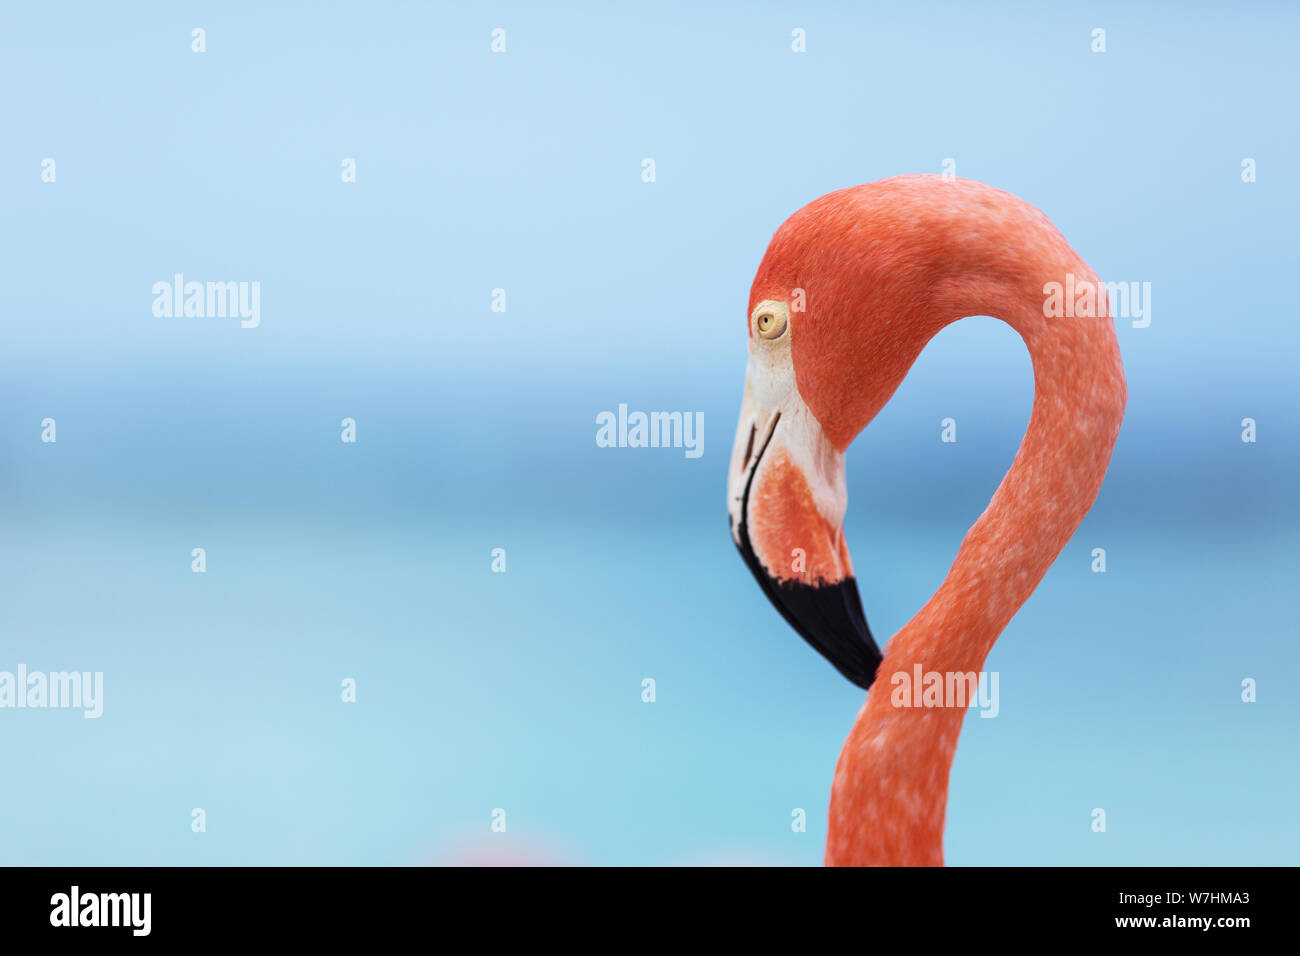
891 782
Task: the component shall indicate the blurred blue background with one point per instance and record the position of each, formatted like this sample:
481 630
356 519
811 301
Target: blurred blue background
476 429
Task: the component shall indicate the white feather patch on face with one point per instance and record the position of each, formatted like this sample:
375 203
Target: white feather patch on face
770 387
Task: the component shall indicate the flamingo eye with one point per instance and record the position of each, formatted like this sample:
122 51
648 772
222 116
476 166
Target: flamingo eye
770 326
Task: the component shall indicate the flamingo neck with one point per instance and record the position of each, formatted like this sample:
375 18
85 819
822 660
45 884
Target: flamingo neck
891 783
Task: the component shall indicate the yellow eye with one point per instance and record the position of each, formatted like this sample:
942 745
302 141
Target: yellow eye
769 325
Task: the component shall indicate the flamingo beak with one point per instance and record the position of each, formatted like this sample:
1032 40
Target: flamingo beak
786 501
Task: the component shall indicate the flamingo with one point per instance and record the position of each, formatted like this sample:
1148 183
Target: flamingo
849 292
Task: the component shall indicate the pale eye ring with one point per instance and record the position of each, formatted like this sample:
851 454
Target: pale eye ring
769 325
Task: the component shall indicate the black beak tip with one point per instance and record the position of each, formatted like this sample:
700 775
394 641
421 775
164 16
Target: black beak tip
827 616
830 618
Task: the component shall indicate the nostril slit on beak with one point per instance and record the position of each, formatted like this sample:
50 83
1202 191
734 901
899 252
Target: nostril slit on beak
749 449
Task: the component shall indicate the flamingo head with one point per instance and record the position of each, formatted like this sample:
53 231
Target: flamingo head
833 327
